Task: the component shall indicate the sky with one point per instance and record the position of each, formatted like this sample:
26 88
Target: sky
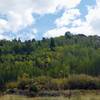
28 19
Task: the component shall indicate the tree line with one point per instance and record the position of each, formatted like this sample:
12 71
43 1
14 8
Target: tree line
55 57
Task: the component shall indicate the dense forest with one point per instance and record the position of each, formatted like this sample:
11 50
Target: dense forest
55 58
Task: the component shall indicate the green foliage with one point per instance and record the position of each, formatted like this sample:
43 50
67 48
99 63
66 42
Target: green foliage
11 85
23 81
59 84
33 88
52 44
42 82
83 82
68 35
54 57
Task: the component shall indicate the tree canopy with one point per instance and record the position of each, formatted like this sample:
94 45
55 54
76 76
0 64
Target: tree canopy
54 57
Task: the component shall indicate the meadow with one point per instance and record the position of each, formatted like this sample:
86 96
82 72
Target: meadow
79 97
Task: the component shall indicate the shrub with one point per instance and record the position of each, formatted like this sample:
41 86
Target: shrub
33 88
42 82
11 85
59 84
23 81
83 82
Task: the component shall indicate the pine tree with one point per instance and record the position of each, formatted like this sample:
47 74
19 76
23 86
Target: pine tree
52 44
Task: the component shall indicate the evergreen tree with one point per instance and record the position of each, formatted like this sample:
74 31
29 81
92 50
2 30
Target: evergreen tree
52 44
68 35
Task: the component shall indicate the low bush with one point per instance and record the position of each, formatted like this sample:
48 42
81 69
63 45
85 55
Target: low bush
42 82
11 85
83 82
59 84
45 83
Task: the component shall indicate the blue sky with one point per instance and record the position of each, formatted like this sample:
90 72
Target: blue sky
28 19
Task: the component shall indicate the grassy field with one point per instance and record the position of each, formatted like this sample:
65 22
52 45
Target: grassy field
85 97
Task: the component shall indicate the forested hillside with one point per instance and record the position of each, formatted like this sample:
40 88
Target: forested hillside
55 57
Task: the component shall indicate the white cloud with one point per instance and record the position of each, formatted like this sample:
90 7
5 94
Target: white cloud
17 21
38 6
4 37
89 26
77 22
84 29
55 32
93 18
51 6
18 16
68 17
3 25
19 12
